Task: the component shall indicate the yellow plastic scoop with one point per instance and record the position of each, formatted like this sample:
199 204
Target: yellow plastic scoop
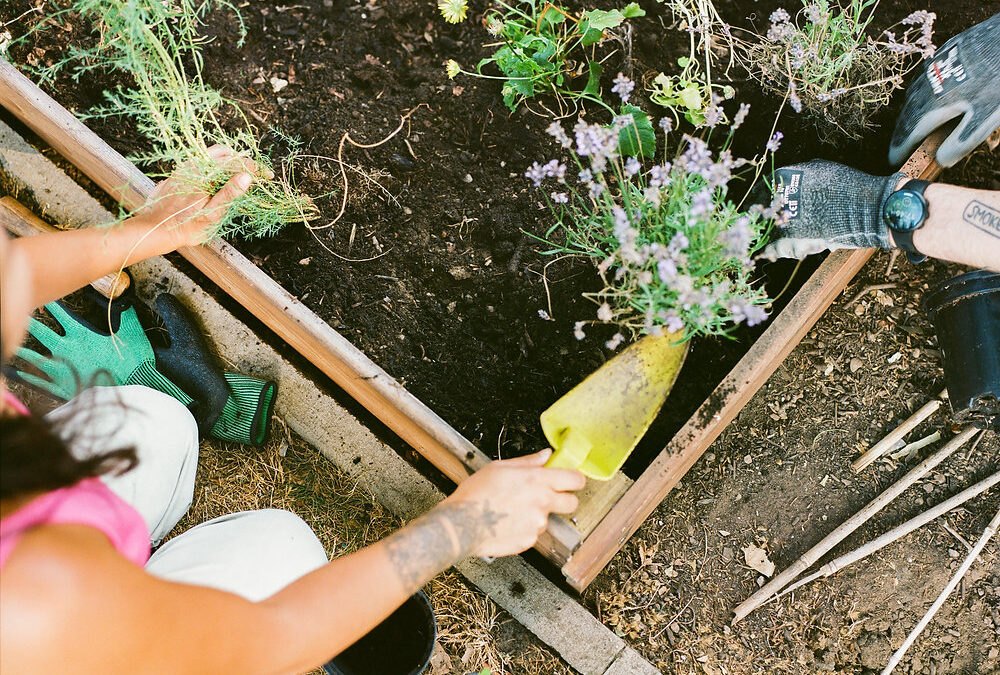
597 424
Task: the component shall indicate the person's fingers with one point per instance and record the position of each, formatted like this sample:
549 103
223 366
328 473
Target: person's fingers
564 502
220 152
564 480
535 459
233 188
967 136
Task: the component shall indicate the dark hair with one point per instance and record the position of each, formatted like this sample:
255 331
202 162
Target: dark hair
35 457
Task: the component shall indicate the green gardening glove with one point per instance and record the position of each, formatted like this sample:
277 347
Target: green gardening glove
84 353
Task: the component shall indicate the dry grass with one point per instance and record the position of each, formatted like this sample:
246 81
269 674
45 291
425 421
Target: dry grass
474 634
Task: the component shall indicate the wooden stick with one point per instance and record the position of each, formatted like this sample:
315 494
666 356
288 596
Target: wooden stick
988 533
17 219
897 434
895 533
776 584
734 392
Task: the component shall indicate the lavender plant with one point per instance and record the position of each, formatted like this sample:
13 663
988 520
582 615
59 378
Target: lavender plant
825 63
674 250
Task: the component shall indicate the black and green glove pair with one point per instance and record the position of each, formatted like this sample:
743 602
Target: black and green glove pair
227 406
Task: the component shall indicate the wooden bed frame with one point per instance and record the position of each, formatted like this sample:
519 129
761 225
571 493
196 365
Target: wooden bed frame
611 511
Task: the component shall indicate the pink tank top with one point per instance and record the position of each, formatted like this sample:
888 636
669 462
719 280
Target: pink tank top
90 502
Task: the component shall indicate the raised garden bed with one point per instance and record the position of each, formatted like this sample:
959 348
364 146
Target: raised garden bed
449 304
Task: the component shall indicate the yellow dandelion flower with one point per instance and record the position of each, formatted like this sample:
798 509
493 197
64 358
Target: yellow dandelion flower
452 68
453 11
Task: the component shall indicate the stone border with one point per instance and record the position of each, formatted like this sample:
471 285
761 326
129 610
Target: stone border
557 619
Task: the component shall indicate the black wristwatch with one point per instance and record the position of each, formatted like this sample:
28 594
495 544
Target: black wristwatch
906 211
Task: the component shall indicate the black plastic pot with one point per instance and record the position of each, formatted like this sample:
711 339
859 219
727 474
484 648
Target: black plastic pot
966 314
400 645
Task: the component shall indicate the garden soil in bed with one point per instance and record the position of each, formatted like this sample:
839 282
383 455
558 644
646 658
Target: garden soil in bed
442 284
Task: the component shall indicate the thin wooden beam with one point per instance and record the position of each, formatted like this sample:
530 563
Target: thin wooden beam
291 320
735 391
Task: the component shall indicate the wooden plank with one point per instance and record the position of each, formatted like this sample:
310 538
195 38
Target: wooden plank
312 337
735 391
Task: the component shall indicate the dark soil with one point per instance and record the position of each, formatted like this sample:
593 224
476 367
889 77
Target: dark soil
444 285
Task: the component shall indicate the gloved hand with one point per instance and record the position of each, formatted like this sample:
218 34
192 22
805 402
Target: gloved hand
960 80
84 352
244 404
828 206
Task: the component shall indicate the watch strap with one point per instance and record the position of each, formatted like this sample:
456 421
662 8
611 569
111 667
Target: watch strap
905 239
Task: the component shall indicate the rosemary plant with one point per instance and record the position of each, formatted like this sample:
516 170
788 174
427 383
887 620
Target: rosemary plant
158 45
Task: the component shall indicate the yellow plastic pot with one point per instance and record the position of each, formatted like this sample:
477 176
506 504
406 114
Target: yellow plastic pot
595 426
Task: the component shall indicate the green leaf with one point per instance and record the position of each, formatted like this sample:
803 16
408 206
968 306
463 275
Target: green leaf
601 19
637 139
594 81
591 37
632 10
690 97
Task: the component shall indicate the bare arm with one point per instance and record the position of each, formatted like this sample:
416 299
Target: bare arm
72 604
963 226
175 216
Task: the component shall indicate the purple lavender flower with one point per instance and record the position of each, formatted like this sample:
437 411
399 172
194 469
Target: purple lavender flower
678 244
653 195
780 15
622 121
586 176
667 124
713 116
632 166
697 158
659 174
559 197
595 189
794 100
597 142
745 311
701 203
623 87
736 240
740 116
556 131
666 270
672 322
775 142
536 172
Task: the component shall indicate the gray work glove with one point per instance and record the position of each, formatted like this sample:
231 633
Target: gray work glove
827 206
962 79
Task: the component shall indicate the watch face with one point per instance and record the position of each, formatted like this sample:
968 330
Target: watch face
905 210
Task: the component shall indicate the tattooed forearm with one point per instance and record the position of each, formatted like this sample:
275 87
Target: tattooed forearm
982 217
437 540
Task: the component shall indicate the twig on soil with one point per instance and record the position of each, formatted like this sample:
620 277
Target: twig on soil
898 532
897 434
868 289
988 533
949 530
850 525
892 262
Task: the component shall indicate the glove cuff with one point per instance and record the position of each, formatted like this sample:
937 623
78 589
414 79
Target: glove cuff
246 417
147 375
881 227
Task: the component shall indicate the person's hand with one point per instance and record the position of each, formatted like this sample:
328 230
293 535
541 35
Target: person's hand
827 206
959 81
502 508
185 210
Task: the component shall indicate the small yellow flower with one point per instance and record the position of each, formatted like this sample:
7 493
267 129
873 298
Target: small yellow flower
452 68
453 11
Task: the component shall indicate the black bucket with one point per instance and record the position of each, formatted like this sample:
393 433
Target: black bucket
966 315
400 645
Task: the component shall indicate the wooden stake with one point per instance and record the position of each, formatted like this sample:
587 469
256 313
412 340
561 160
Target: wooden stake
897 434
895 533
776 584
988 533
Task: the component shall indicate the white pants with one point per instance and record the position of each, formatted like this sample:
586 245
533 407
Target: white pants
252 553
